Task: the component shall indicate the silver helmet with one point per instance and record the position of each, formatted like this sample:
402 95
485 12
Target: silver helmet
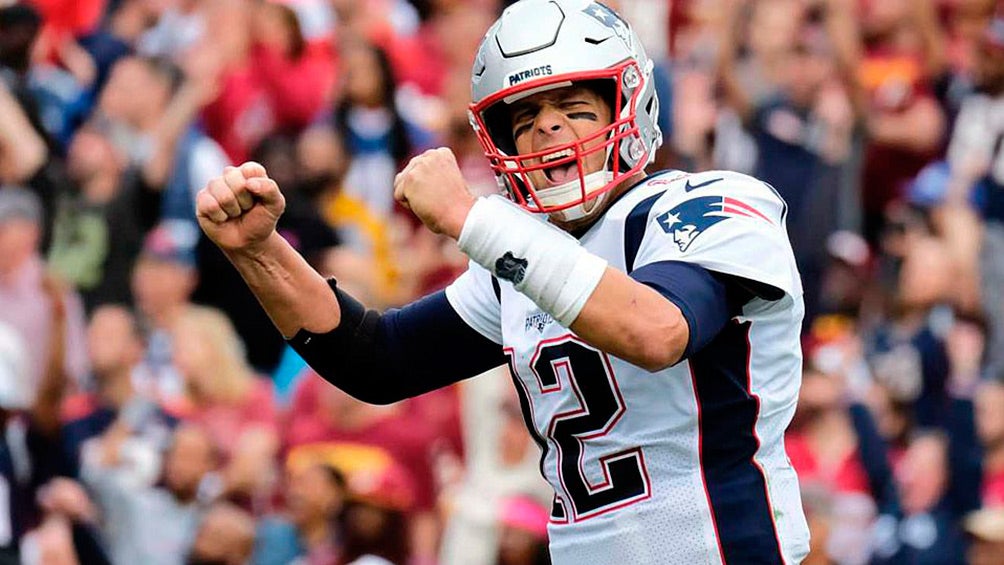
538 45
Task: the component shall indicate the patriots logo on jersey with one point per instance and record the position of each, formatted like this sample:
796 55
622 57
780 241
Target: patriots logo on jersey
537 321
688 220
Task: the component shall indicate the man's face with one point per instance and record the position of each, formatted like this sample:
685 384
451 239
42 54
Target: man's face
188 460
160 285
133 93
312 496
555 118
112 343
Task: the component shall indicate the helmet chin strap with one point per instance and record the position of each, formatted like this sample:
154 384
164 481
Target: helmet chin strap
572 190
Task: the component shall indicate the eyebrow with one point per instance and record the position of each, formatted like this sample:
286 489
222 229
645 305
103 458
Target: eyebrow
520 109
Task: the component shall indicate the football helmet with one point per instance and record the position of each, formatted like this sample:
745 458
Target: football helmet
539 45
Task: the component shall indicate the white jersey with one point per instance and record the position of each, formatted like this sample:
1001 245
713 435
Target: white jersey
685 465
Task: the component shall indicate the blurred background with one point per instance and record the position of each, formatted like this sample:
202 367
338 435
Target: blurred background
151 414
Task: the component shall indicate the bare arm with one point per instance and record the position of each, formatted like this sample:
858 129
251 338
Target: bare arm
622 316
843 31
51 390
201 85
932 38
22 150
632 321
727 58
238 211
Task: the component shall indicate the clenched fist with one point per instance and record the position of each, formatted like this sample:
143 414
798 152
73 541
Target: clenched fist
239 209
434 189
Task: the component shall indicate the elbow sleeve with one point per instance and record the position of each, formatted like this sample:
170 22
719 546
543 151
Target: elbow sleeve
384 358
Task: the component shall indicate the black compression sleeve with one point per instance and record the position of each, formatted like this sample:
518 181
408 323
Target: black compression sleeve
384 358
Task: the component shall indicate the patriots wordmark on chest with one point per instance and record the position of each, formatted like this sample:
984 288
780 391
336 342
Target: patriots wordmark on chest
538 321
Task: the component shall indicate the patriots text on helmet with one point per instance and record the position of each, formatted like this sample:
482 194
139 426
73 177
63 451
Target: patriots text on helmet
518 77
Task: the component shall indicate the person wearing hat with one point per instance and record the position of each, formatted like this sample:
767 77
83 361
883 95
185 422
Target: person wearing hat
162 283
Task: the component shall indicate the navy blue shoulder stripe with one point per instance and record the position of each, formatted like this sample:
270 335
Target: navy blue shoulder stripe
634 229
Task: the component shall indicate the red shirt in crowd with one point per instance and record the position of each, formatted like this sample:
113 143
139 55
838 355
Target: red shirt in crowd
269 93
409 440
846 477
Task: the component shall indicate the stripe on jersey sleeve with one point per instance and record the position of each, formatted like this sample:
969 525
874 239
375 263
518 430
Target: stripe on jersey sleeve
634 229
735 483
702 297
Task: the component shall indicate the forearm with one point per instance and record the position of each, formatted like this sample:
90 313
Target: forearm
293 294
22 150
383 358
843 32
726 61
172 126
875 458
45 411
633 322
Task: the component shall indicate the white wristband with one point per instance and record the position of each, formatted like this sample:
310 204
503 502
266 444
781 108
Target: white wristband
546 264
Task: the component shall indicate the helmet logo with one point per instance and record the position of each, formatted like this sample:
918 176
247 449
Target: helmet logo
609 19
526 74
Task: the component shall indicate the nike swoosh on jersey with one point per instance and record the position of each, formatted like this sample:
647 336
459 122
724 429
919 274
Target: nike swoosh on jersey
688 187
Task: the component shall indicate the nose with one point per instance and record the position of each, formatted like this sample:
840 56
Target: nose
549 121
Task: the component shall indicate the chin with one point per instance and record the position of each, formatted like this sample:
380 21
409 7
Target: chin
573 226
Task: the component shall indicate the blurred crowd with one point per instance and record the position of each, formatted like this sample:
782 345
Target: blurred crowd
152 414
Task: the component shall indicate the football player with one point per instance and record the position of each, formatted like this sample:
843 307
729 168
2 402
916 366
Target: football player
650 323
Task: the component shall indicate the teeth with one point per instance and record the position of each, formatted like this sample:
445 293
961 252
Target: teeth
556 155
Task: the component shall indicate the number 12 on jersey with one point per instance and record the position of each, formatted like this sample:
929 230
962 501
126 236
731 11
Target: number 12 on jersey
568 366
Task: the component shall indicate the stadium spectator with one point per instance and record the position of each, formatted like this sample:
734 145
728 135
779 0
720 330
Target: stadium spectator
904 53
990 426
224 396
143 523
29 422
115 347
974 192
225 537
162 283
101 220
22 150
986 530
523 536
378 138
315 496
25 303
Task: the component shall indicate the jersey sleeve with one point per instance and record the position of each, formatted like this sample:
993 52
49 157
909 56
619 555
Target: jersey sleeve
474 295
727 223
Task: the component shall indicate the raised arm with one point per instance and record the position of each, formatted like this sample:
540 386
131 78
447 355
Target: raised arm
647 318
727 59
377 358
238 211
22 151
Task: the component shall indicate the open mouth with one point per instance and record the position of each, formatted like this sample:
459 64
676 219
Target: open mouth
562 172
